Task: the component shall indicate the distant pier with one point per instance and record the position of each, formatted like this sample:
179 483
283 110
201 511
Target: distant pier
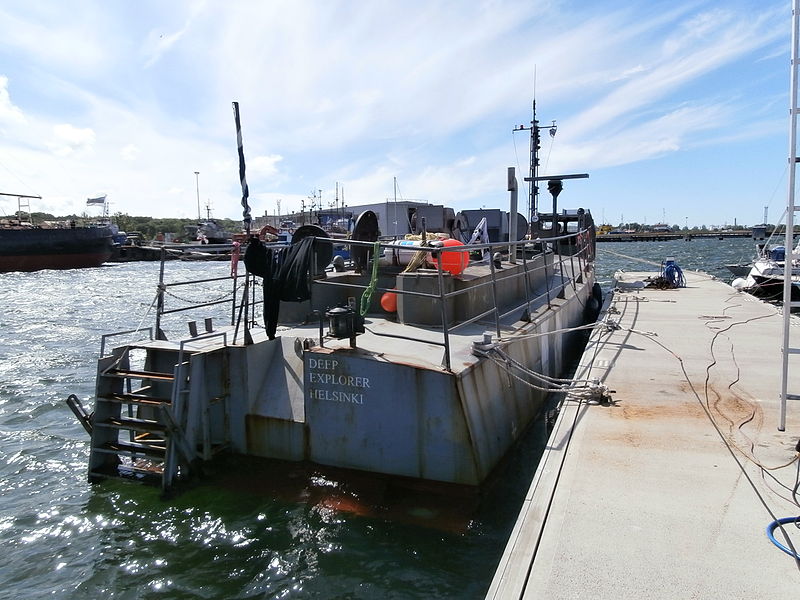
666 488
666 237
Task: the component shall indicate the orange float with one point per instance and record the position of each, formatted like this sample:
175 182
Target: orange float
453 262
389 302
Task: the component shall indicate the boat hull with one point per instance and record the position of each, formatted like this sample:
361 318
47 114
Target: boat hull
771 288
365 411
436 392
37 249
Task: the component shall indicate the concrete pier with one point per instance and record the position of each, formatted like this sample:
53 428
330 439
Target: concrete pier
666 491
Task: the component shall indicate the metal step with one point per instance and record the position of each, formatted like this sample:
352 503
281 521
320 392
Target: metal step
151 473
135 424
131 449
134 398
140 375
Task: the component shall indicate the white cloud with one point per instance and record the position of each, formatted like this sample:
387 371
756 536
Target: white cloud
263 166
129 152
158 43
8 112
58 35
628 73
68 139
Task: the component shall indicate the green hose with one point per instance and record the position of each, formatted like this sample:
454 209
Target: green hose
366 297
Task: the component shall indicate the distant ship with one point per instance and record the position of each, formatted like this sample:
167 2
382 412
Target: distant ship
28 247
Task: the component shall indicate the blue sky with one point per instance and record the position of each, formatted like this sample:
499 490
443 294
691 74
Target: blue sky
678 110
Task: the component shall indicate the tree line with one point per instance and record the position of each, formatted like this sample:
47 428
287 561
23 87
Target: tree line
149 227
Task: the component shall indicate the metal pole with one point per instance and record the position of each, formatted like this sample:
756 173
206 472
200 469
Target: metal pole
443 309
512 216
197 183
527 279
160 296
494 292
790 208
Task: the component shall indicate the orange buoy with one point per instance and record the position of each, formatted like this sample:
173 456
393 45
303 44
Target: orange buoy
389 302
453 262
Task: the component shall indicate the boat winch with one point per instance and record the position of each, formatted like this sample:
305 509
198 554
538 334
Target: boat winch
343 323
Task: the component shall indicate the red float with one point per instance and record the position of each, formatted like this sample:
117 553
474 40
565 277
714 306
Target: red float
389 302
453 262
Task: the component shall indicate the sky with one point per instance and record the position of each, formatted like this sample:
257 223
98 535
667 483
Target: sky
678 110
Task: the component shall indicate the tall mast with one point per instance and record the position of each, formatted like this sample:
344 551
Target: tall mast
533 176
533 189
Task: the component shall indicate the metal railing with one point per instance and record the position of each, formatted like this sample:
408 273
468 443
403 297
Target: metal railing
164 288
579 246
579 241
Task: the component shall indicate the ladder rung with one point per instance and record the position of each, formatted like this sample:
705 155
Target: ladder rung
141 375
155 471
793 350
793 396
134 399
143 425
131 448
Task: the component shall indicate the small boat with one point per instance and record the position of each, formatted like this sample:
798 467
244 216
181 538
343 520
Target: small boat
765 277
28 247
741 269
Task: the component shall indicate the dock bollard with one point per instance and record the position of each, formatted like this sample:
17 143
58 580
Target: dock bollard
479 348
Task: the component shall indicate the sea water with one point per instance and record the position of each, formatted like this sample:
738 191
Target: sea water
249 530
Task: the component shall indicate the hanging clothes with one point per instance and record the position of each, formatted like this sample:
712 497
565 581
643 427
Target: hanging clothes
295 268
285 272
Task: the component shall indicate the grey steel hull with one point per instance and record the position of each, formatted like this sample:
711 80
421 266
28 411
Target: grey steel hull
361 408
393 400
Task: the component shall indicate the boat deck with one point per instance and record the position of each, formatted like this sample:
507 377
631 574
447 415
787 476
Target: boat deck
385 337
663 492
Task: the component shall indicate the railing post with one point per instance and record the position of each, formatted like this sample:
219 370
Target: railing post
546 276
527 279
572 271
160 296
494 291
233 299
442 307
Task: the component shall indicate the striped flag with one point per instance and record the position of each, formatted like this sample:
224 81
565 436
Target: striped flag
245 190
98 200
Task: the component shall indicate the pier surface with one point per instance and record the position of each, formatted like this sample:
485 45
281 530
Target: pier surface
666 491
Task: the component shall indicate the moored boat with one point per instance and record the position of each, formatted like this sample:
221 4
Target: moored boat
426 371
28 247
766 276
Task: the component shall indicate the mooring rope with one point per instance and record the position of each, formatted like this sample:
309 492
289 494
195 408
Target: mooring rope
634 258
366 297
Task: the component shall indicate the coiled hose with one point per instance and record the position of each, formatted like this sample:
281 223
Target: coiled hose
777 523
673 274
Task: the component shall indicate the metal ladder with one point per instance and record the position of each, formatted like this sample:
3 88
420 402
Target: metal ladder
787 350
135 432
